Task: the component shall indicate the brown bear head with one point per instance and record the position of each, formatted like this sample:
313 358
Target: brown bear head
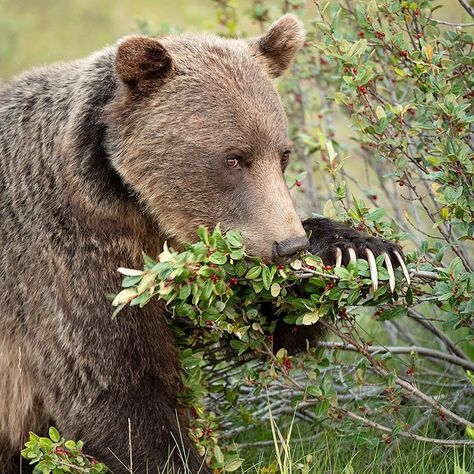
198 131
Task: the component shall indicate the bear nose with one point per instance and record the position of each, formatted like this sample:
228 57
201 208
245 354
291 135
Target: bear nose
292 247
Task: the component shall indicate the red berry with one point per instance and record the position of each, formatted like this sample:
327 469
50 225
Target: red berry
374 197
208 322
401 183
214 278
270 337
298 183
410 371
362 89
281 267
287 363
404 54
361 34
194 413
233 281
354 70
380 35
327 267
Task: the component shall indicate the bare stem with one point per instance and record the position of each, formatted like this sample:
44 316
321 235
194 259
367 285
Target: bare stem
424 351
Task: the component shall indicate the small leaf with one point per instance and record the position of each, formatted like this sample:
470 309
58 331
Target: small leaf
218 258
125 296
296 265
311 318
253 273
380 112
218 454
54 434
233 465
429 52
129 271
275 289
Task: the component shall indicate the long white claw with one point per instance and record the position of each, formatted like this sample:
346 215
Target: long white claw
338 257
373 269
391 275
404 267
352 254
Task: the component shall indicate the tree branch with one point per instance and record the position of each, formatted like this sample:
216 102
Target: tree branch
422 321
432 353
467 7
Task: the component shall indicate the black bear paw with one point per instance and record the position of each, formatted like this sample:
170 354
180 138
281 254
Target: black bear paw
339 244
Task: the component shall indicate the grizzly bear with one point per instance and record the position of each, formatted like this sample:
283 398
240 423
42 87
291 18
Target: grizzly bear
109 156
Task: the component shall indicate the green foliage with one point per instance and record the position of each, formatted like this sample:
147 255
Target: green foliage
223 296
55 455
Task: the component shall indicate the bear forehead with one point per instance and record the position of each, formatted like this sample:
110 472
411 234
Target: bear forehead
224 83
214 66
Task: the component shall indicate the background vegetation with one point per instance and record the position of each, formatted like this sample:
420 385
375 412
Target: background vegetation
380 106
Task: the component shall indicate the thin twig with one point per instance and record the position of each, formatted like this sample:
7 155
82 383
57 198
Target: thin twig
448 23
467 7
427 324
402 350
405 434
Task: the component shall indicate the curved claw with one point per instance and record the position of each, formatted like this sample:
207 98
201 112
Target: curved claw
373 269
391 275
338 257
352 254
404 267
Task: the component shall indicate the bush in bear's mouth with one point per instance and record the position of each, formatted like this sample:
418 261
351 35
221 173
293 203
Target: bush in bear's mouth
224 305
214 284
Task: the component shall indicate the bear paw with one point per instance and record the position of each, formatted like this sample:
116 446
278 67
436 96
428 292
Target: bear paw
339 244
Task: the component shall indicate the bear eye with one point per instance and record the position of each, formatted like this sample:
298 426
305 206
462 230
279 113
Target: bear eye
285 158
233 162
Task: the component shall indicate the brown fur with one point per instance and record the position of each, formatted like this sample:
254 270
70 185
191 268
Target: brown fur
103 158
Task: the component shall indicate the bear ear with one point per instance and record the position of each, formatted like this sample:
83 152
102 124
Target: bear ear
142 63
277 48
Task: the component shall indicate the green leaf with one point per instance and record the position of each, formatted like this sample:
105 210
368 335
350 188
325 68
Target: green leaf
311 318
342 273
184 292
218 258
322 408
275 289
237 254
218 454
253 273
266 277
234 238
54 434
233 465
376 214
314 390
